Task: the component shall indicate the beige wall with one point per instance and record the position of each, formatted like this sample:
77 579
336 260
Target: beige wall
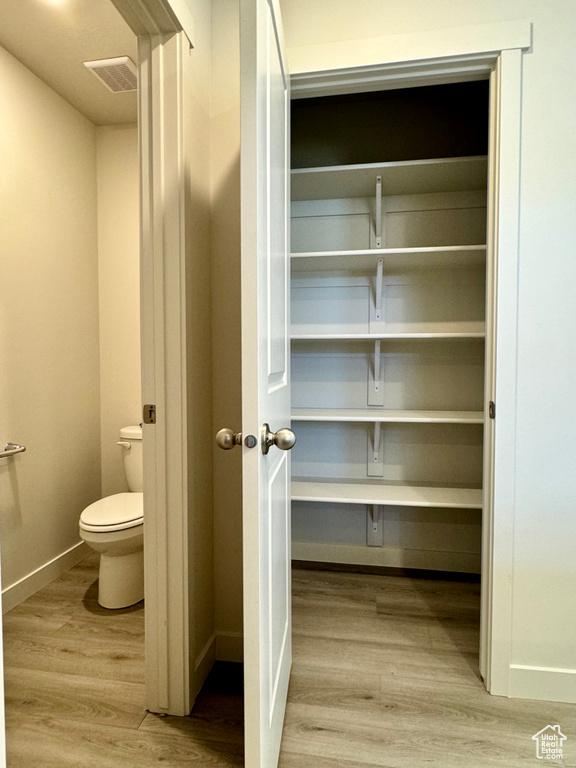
199 336
544 609
226 354
49 378
119 294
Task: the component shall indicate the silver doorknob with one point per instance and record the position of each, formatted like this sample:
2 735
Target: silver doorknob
228 439
284 439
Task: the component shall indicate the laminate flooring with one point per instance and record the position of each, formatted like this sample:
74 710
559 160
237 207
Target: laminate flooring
74 679
386 674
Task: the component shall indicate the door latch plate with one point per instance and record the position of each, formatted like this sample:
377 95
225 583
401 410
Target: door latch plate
149 413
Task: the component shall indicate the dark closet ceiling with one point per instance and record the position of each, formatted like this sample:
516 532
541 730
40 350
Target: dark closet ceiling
384 126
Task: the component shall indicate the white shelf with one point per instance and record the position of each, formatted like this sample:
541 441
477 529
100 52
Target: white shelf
369 492
373 415
384 336
394 258
410 177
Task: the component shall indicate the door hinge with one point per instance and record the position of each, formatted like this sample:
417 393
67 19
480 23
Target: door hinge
492 409
149 413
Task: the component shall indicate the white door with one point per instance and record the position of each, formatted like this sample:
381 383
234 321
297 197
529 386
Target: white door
265 378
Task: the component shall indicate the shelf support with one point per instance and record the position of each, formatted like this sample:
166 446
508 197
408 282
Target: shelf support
374 526
374 458
379 280
376 445
377 344
378 222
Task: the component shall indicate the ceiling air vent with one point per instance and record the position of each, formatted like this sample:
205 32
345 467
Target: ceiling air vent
118 75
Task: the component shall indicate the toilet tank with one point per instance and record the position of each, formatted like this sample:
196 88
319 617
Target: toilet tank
131 441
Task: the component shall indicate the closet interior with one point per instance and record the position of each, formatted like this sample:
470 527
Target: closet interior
388 294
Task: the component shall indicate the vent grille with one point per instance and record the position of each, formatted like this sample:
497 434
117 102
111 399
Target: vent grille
118 75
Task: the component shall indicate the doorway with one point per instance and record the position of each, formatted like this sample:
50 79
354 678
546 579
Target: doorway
503 72
389 301
357 647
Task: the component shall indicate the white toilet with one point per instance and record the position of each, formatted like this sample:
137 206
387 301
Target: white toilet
114 527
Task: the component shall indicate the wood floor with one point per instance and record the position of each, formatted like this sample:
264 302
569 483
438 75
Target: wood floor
74 676
385 674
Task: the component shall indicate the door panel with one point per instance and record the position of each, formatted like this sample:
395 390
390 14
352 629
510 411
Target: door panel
265 378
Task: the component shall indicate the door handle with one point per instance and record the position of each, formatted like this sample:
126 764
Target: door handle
228 439
284 439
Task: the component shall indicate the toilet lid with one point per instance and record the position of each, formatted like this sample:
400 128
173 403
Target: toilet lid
114 513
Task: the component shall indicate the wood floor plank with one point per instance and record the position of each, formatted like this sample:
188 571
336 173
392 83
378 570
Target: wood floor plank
451 706
224 726
372 628
118 629
36 617
334 584
88 745
297 760
329 582
34 693
98 658
331 604
460 608
376 658
376 740
450 636
335 688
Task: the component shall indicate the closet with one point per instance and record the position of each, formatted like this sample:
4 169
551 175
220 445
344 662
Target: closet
388 294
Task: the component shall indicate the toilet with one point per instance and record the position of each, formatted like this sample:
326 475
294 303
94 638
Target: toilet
114 527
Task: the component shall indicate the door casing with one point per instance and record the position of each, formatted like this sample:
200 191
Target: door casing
492 52
164 30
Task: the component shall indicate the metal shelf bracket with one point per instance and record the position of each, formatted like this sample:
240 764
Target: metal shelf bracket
378 222
377 427
378 297
377 344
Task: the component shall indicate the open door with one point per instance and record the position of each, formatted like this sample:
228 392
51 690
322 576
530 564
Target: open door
265 378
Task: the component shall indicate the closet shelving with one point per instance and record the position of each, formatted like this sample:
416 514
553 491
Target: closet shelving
450 174
387 416
387 334
366 261
405 495
480 334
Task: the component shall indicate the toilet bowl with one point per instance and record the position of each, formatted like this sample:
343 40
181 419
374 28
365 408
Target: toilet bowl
113 526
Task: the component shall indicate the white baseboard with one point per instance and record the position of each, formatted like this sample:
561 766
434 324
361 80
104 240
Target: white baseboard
230 646
544 683
352 554
26 586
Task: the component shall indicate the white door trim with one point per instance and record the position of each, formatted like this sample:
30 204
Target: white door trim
328 60
498 555
170 671
157 17
163 324
488 51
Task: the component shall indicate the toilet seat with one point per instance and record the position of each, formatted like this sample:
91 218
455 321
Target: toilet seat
114 513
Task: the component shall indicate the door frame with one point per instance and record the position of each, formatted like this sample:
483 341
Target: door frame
493 52
164 29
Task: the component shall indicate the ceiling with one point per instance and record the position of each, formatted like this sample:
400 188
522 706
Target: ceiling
54 37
